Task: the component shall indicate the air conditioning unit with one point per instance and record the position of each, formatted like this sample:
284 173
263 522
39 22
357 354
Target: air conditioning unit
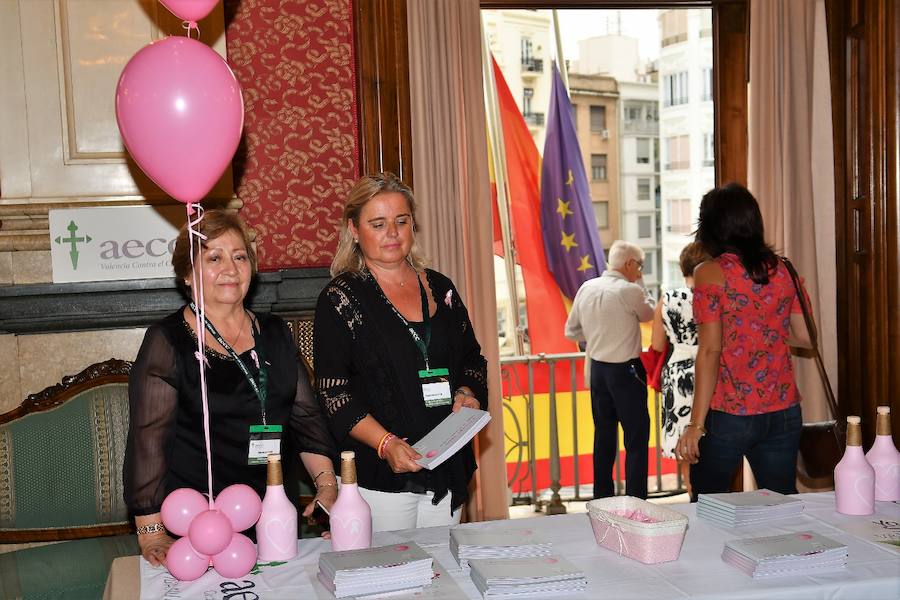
604 134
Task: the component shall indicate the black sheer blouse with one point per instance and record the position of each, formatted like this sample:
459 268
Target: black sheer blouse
166 448
367 363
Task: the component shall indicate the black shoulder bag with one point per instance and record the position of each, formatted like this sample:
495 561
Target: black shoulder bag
821 444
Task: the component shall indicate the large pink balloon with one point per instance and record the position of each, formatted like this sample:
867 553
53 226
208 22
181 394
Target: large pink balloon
185 563
237 559
180 112
210 532
189 10
241 504
180 507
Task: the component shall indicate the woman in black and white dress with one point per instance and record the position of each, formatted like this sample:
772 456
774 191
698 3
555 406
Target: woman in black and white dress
674 322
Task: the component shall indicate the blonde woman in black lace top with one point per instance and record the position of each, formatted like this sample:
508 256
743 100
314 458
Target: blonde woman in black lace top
380 323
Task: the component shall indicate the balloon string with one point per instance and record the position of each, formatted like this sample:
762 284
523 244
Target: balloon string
200 317
189 25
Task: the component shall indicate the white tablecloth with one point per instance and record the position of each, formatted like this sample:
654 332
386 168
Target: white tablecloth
873 571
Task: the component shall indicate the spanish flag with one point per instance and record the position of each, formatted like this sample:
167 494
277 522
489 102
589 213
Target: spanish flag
544 302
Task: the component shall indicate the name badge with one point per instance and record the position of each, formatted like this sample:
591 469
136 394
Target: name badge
264 440
435 387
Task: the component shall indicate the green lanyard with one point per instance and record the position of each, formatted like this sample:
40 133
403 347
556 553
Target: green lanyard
426 320
260 387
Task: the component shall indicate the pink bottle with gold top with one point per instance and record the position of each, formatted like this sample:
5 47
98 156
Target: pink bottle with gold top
854 477
884 458
276 530
351 517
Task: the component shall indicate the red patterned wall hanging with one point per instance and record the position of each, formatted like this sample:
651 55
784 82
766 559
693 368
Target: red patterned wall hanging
298 157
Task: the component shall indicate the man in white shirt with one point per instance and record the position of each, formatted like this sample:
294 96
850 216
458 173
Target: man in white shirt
606 314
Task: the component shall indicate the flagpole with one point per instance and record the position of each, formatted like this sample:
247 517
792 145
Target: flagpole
560 60
495 135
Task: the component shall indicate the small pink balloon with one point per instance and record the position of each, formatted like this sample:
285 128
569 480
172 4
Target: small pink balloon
237 559
241 504
210 532
179 509
180 112
185 563
189 10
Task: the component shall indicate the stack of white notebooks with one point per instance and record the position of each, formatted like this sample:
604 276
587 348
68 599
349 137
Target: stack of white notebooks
786 554
747 508
375 571
536 577
467 543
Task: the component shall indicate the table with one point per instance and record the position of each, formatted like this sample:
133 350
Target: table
873 570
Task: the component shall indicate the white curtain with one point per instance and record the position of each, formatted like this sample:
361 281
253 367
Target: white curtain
791 162
452 185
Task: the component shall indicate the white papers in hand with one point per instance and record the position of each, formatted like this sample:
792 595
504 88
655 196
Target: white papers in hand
450 435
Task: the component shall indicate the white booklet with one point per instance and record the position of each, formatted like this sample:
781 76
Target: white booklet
468 543
753 498
397 557
786 546
450 435
787 554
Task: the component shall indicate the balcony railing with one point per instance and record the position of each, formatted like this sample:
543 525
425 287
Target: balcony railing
532 65
641 127
535 119
522 396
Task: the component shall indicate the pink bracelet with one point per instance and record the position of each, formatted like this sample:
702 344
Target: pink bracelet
382 445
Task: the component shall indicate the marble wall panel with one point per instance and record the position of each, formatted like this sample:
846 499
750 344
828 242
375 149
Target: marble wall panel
31 266
6 275
10 390
44 359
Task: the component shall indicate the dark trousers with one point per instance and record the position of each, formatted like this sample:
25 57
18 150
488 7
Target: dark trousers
770 442
619 395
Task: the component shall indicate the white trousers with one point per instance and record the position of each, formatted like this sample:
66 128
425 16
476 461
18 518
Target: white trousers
406 510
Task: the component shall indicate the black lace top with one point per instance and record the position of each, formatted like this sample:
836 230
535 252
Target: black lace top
367 363
166 448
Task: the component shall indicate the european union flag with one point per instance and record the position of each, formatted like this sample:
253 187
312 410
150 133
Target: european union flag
571 241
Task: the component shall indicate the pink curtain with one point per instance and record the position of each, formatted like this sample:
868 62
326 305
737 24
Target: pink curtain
791 168
452 184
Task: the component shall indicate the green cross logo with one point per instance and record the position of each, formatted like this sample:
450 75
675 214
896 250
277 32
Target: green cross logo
73 253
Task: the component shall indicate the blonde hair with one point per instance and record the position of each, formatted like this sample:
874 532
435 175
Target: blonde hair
349 257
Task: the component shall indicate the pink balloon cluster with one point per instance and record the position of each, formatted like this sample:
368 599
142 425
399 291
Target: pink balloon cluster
210 536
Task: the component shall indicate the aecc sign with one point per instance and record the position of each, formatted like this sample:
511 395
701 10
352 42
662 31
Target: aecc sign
107 243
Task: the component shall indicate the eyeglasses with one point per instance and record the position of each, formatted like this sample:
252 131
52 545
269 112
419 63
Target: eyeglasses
640 264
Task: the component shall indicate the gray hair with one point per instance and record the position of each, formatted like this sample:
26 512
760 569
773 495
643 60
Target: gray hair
620 252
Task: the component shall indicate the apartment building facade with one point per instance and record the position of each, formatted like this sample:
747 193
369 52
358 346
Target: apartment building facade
685 129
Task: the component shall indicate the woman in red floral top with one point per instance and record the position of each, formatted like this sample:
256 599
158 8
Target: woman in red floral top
748 314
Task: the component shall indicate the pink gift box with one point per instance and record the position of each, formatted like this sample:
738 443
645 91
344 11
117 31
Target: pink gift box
638 529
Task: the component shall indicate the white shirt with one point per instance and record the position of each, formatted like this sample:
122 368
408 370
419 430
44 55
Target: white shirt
606 313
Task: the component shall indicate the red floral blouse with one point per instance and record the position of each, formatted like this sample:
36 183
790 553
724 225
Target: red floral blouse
755 371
